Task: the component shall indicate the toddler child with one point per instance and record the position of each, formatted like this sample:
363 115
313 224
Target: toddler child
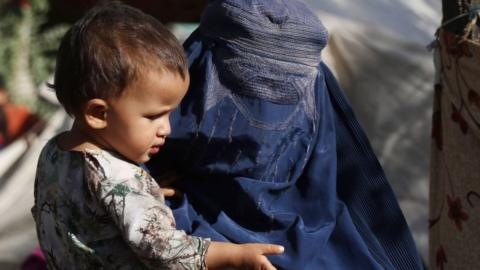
120 74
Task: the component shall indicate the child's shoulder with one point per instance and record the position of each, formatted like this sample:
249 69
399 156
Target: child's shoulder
110 163
55 163
53 154
97 163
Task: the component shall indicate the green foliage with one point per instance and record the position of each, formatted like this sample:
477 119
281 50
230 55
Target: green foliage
42 44
8 21
42 58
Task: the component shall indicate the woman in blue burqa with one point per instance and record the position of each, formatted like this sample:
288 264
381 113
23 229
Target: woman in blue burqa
267 148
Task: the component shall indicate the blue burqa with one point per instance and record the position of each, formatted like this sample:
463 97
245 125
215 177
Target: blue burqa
269 150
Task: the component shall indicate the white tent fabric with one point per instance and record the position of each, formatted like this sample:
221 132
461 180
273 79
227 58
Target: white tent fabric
377 49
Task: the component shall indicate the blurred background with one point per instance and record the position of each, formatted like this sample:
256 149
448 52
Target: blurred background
377 49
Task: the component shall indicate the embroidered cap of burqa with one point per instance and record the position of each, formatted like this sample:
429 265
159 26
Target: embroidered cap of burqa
270 151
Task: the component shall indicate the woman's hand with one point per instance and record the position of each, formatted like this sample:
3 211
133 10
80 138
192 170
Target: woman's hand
169 192
165 181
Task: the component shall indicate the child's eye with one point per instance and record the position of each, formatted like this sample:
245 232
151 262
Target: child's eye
153 116
156 115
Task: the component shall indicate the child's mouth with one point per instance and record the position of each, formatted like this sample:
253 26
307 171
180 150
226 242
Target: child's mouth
154 149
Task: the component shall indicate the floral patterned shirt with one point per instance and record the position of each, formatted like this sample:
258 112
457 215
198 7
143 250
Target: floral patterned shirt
96 210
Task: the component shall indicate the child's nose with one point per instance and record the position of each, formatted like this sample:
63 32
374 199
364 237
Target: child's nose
164 130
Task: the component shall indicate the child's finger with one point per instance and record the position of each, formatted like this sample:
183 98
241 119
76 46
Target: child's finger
267 265
267 249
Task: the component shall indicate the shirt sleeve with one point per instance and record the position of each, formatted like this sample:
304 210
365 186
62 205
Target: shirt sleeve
137 207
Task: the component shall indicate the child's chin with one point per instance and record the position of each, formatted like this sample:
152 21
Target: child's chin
141 159
145 158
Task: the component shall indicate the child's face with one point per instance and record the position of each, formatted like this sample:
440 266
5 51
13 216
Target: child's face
138 121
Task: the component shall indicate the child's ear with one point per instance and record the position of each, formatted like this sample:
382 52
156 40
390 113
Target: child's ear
95 113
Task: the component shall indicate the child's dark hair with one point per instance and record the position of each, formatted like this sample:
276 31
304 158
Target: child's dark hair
109 48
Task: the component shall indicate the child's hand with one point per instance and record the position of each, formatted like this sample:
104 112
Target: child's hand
246 256
253 256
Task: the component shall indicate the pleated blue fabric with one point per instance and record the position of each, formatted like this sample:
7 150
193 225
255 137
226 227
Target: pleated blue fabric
270 151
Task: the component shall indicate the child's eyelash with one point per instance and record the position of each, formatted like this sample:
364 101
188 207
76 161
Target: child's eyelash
155 116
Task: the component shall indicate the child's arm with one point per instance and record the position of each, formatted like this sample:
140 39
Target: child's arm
134 202
222 255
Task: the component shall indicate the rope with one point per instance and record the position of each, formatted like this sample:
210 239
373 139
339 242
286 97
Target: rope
472 13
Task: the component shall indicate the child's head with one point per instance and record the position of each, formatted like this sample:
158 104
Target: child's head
109 48
121 72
